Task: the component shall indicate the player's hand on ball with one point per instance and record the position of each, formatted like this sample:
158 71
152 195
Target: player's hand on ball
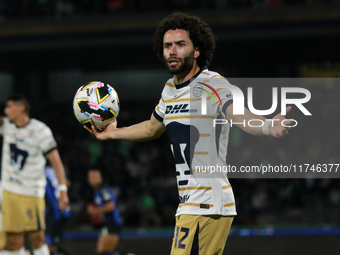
277 129
103 134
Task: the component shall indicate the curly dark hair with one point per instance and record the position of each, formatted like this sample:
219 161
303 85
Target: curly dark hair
199 32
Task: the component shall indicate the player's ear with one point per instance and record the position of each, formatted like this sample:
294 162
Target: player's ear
197 52
22 108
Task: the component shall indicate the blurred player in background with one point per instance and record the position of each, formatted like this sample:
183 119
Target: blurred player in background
26 143
55 217
2 233
105 206
207 205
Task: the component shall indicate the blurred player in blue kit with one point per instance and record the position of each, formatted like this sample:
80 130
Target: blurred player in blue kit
55 218
207 204
2 234
105 206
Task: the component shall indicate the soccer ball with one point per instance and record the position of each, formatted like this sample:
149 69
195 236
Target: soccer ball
96 104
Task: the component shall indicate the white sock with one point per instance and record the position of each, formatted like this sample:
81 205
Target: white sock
18 252
43 250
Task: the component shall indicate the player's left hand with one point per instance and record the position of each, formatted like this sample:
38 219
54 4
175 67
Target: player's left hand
105 133
63 201
93 210
277 129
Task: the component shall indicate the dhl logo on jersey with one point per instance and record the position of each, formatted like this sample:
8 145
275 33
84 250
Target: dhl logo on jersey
182 108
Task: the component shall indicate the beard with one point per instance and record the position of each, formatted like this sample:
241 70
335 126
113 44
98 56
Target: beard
186 65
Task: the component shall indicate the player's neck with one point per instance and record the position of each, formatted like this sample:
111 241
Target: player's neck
96 186
183 77
22 120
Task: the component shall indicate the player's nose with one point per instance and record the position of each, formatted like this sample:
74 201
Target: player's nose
173 50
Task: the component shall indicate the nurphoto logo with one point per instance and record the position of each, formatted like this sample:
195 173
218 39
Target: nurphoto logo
238 102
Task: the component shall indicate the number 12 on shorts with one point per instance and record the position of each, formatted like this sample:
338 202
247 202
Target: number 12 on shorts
180 241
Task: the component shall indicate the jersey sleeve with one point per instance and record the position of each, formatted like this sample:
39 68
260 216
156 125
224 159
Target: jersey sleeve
221 85
47 142
4 122
2 125
226 98
107 194
159 110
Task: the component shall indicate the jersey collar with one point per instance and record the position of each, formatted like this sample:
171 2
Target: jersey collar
25 125
186 83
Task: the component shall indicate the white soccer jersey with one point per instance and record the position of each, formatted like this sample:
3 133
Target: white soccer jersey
188 111
23 158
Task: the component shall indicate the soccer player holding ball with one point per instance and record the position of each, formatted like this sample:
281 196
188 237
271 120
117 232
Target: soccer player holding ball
207 205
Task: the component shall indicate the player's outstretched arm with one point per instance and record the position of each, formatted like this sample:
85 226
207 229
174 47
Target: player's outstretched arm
144 131
275 127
